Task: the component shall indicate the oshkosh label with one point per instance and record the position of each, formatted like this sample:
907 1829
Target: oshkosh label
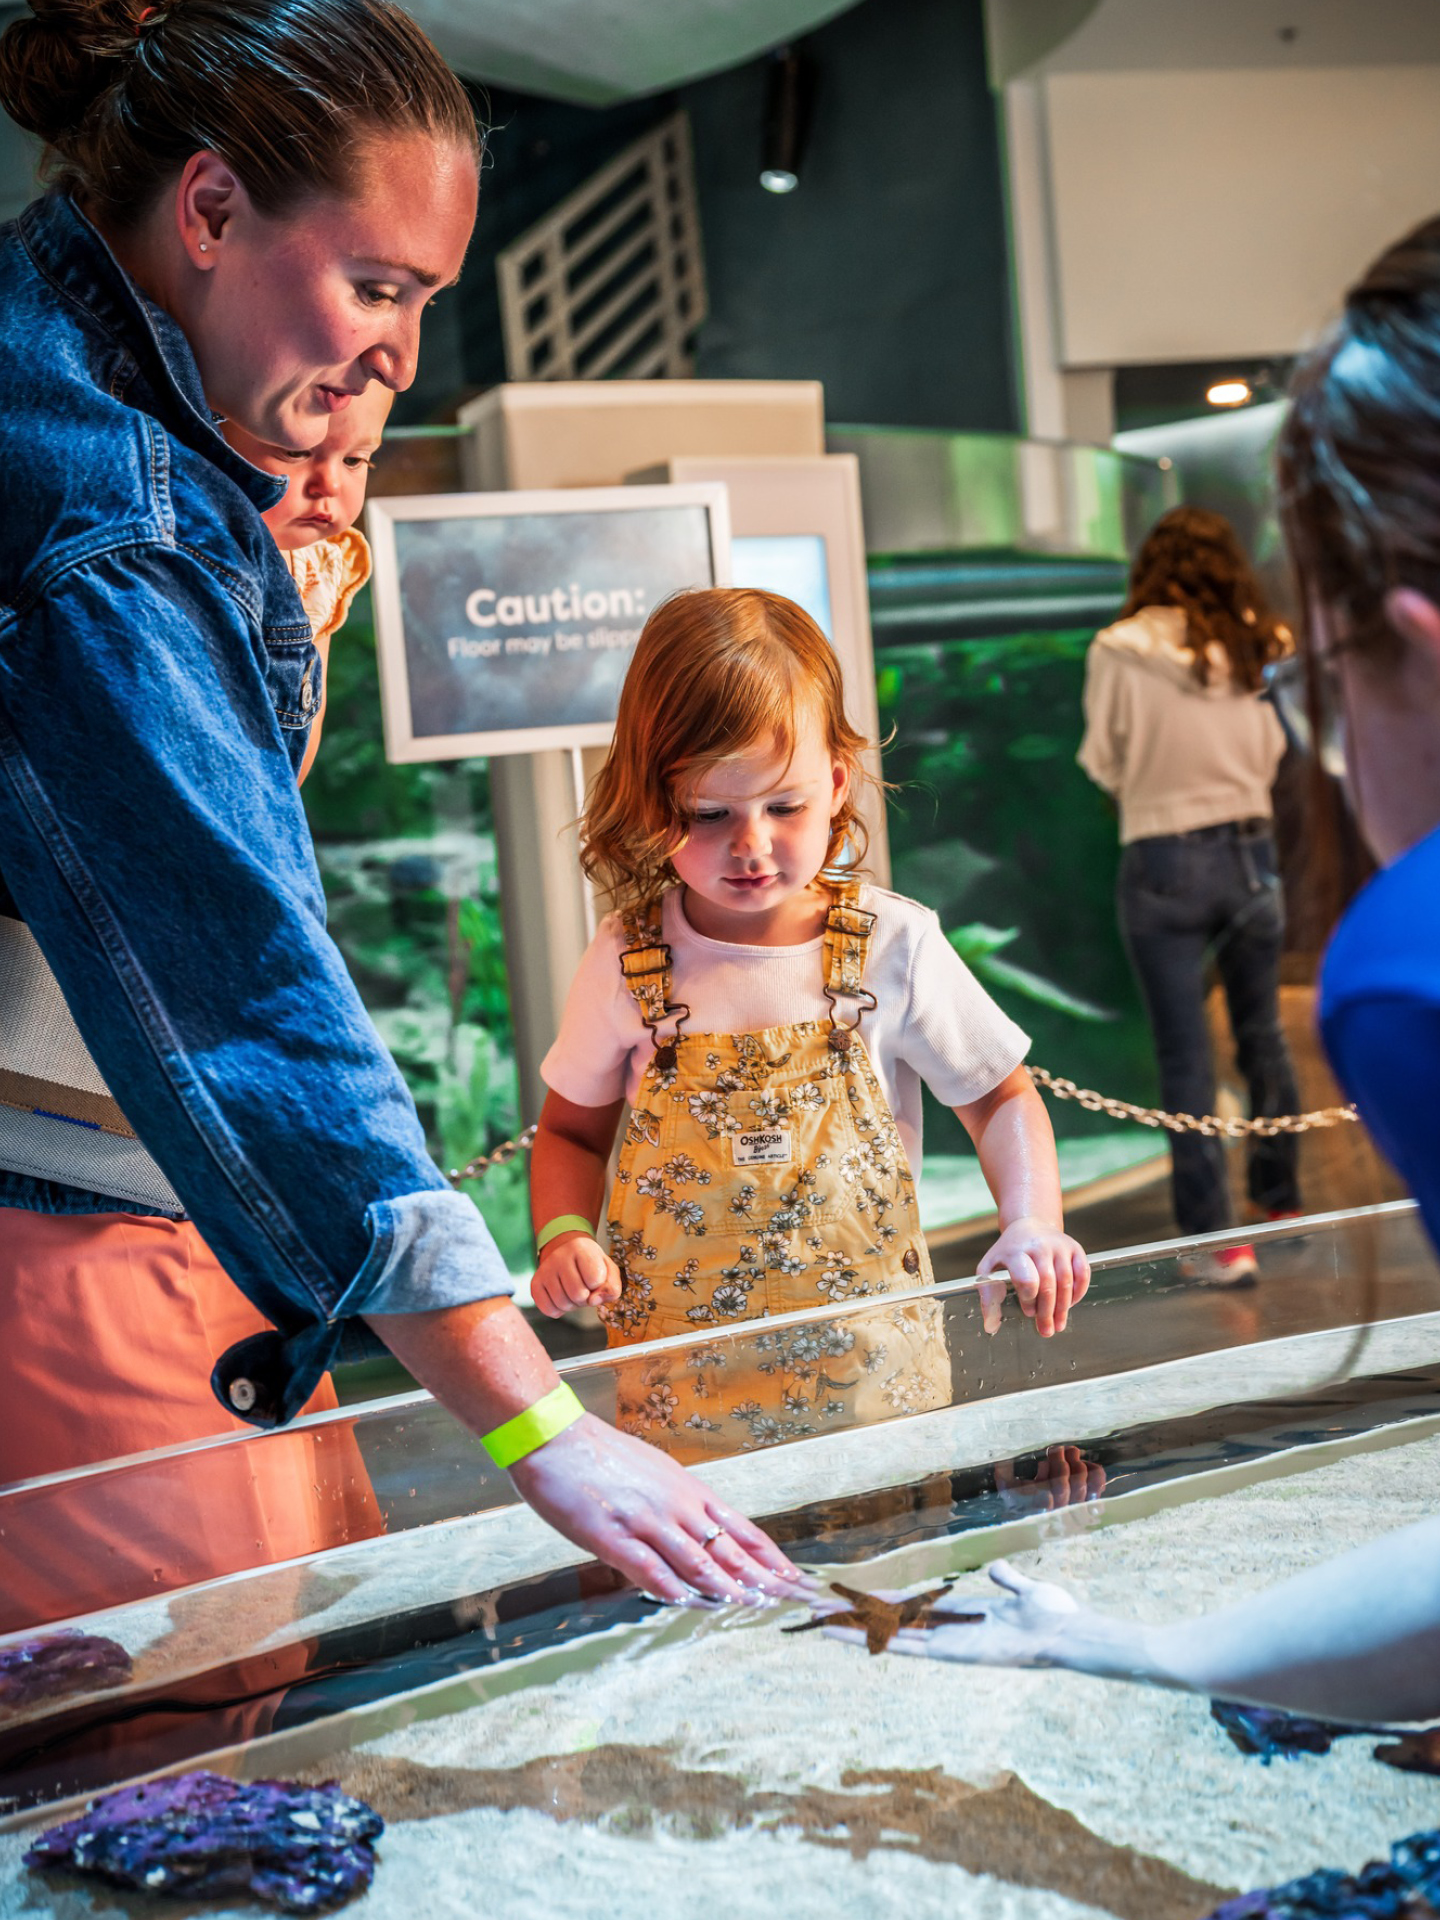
762 1147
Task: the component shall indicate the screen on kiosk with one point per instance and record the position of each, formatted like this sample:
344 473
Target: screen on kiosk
795 564
529 620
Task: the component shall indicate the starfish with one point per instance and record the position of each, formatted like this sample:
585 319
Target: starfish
880 1619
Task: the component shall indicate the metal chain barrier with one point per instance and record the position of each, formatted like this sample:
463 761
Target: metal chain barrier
1214 1126
477 1168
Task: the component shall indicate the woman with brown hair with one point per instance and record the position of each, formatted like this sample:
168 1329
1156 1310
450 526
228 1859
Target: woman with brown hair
252 203
1177 732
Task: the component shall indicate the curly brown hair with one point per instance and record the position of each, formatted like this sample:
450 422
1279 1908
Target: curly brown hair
716 672
1192 559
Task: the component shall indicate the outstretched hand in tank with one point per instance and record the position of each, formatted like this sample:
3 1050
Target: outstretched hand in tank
1023 1626
1355 1638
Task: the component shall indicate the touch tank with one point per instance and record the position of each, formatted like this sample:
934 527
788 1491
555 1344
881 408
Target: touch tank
524 1722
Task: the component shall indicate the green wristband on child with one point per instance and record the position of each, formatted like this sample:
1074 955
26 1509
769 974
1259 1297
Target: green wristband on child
528 1431
562 1223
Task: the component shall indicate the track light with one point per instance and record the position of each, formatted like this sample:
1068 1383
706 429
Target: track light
789 95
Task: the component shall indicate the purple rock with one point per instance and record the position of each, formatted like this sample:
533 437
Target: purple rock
55 1664
1266 1731
304 1849
1407 1887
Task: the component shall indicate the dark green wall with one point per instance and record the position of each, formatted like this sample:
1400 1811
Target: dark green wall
884 274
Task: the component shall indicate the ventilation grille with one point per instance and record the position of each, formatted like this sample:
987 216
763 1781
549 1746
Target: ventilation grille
611 283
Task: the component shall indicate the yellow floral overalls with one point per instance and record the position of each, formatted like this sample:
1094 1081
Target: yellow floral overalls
761 1173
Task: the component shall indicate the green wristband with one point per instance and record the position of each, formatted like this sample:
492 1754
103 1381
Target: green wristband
562 1223
550 1415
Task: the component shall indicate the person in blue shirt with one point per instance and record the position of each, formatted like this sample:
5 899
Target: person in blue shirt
1359 473
251 204
1356 1638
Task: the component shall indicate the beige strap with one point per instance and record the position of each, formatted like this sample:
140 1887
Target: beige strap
646 963
54 1102
848 928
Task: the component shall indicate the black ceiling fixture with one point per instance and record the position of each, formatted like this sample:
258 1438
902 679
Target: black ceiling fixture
789 98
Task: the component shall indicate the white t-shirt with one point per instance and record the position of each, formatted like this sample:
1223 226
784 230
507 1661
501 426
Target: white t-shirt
934 1022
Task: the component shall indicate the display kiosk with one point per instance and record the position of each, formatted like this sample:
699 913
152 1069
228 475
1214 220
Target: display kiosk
505 623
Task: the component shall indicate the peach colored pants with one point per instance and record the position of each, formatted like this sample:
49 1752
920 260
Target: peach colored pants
109 1327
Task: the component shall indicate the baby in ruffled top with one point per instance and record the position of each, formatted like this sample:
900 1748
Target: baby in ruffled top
314 524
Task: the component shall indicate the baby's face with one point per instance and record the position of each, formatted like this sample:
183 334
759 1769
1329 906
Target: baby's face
327 483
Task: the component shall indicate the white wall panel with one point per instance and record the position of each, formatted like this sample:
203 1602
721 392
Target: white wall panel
1198 214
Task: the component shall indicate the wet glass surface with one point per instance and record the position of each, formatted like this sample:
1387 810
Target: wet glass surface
82 1748
1143 1309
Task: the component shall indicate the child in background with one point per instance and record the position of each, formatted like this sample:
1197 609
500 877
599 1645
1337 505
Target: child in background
314 525
770 1020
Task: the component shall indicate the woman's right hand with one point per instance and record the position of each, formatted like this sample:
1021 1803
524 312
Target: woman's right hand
639 1511
574 1271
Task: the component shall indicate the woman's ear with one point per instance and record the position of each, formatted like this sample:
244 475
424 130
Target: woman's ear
207 198
1415 619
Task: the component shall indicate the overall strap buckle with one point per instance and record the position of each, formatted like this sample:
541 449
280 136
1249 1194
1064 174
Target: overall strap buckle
647 966
848 927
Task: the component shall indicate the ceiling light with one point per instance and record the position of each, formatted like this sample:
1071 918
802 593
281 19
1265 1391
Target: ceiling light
1229 393
779 180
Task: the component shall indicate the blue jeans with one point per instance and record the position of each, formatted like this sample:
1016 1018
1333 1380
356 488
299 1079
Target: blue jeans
1185 899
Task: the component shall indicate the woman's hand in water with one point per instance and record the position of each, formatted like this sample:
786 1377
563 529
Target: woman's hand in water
1048 1270
637 1510
1064 1478
1029 1624
574 1271
625 1502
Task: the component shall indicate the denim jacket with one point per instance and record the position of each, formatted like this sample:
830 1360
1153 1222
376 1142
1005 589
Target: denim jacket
157 680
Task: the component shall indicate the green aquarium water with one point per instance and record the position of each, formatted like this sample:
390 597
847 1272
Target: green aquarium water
994 825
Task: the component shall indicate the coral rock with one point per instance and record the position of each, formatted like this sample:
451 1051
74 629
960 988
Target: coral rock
303 1849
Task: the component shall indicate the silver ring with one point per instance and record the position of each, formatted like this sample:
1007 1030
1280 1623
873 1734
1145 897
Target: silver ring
711 1533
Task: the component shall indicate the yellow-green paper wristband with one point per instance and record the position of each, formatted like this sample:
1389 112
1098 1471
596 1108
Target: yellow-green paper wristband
550 1415
562 1223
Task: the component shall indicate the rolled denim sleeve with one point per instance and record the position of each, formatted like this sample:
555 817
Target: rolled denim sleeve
152 835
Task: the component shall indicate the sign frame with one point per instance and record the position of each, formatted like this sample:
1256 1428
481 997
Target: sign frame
402 745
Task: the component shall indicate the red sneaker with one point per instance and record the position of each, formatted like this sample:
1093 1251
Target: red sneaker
1228 1267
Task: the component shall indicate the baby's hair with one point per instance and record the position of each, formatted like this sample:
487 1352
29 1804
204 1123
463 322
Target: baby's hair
717 672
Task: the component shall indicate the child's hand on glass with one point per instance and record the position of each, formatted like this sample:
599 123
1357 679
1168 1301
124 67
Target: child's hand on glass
574 1271
1047 1269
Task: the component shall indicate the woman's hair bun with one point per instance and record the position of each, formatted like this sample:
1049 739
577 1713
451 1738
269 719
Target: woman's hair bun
124 92
58 59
